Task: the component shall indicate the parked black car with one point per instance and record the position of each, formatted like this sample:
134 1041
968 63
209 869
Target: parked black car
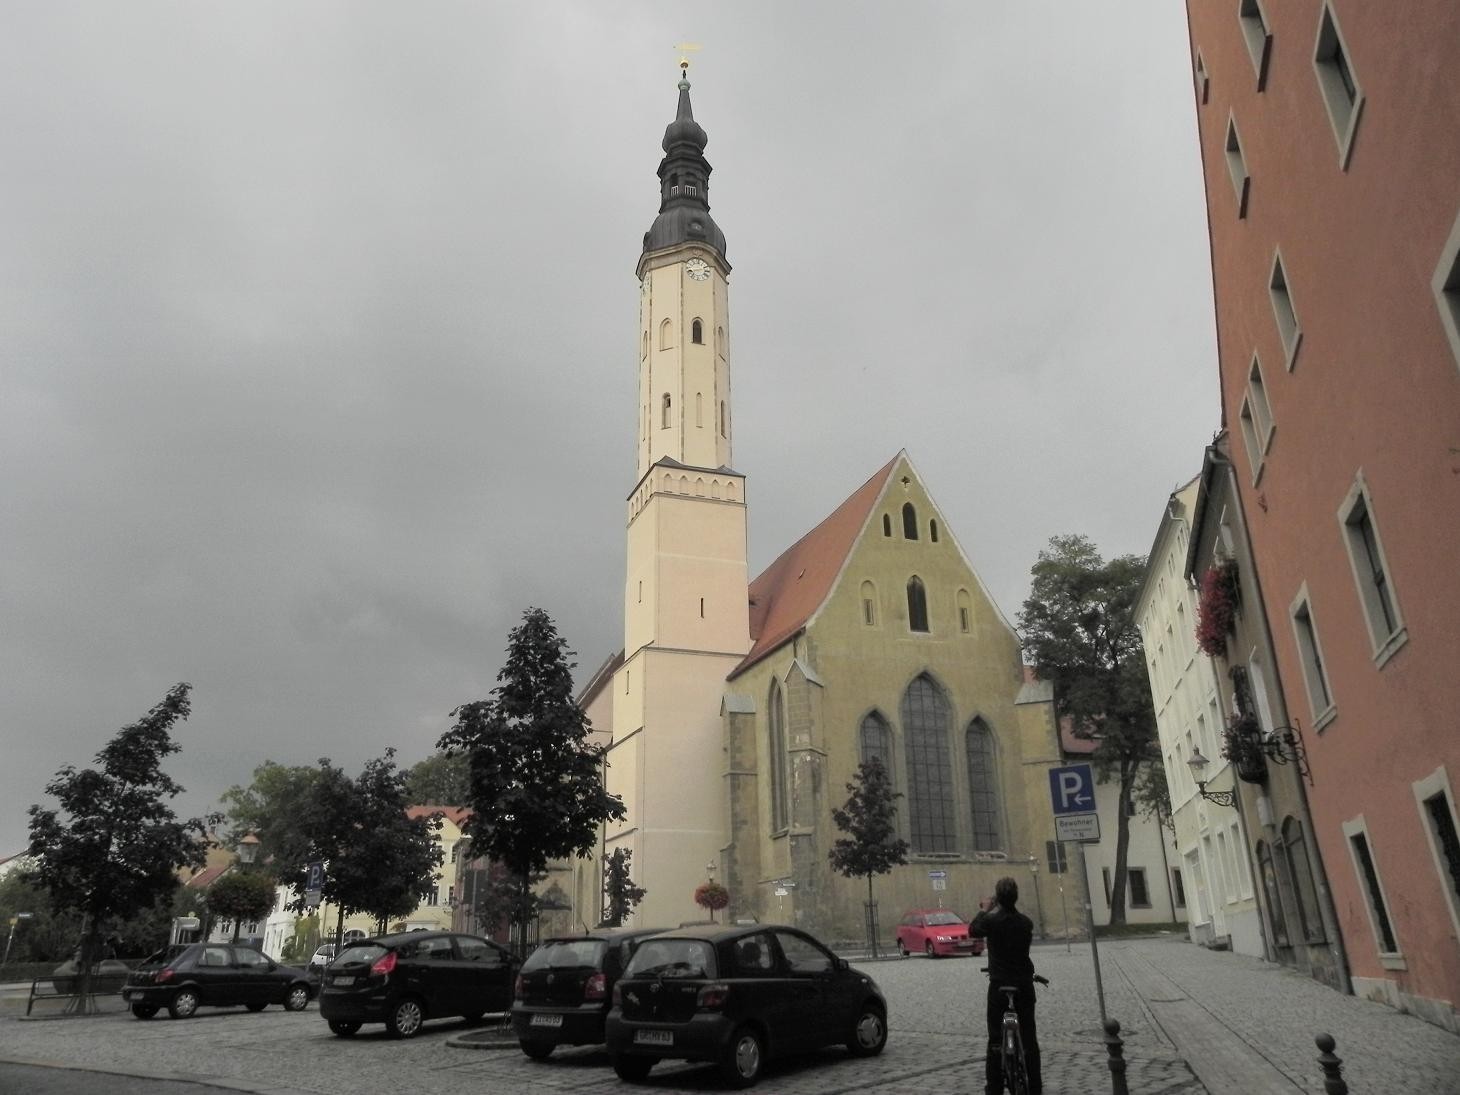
404 979
182 979
566 985
739 996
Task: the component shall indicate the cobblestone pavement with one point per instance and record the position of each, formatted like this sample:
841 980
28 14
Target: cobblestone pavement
935 1045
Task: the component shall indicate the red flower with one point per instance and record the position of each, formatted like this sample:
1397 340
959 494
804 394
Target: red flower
1216 610
712 896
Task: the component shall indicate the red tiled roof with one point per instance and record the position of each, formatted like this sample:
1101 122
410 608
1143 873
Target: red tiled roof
207 876
457 815
1071 744
792 588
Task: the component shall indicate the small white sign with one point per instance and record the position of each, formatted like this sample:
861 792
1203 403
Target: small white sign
1084 828
781 891
940 883
937 874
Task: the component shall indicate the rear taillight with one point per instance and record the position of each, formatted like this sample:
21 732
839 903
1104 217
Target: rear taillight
165 975
596 987
384 964
519 989
713 996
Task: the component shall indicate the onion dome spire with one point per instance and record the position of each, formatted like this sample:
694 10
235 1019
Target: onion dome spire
684 183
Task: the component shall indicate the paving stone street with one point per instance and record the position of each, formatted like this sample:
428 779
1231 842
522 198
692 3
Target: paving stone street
1237 1023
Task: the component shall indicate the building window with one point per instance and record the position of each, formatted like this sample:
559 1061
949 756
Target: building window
917 605
1178 888
1310 654
931 813
1259 39
455 852
1140 893
1282 310
720 341
1237 167
909 522
1437 809
699 409
933 531
965 612
1371 575
697 333
869 604
451 896
1310 921
1363 857
780 806
433 896
886 524
722 419
1261 410
1203 84
1054 855
666 335
1341 92
664 408
875 740
983 789
1446 284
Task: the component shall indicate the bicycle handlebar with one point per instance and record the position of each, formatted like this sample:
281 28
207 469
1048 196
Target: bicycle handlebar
1037 978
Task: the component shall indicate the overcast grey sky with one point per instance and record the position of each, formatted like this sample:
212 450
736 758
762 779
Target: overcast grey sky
317 328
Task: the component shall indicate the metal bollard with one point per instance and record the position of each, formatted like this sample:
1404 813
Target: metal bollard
1116 1049
1333 1081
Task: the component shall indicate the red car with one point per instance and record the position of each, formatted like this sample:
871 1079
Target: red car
935 932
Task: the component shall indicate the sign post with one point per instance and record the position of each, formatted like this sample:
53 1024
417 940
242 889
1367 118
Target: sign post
1072 798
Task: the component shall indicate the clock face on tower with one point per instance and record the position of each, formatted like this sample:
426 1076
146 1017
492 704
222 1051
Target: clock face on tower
698 269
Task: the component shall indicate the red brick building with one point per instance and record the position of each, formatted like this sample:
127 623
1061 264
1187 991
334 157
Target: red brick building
1330 134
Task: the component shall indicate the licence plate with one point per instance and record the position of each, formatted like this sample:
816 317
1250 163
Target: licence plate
342 979
546 1021
654 1037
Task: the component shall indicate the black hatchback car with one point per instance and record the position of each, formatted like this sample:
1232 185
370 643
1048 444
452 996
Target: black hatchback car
739 996
404 979
563 992
184 978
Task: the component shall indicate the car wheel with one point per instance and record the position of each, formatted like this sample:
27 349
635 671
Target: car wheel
144 1011
541 1051
633 1070
928 949
341 1029
902 949
256 1006
405 1018
184 1004
298 998
744 1058
869 1034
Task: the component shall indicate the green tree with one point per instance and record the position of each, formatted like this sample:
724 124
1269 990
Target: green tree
1078 631
536 787
278 807
871 846
619 891
241 895
114 846
439 780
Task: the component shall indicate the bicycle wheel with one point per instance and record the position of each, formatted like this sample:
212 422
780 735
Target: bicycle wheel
1013 1064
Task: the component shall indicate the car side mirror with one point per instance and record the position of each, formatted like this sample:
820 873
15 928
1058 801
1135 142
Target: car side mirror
842 965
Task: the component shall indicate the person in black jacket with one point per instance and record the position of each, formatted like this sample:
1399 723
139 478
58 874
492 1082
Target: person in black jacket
1009 933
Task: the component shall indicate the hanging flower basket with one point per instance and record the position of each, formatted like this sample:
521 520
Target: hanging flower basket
712 896
1216 611
1242 745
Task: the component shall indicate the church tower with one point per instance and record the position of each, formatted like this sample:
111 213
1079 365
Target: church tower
686 620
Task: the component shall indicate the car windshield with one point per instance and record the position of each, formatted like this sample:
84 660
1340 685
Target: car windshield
672 958
363 954
165 955
564 954
938 919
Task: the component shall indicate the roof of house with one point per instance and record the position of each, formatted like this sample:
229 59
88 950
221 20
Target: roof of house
207 876
1073 745
457 815
791 589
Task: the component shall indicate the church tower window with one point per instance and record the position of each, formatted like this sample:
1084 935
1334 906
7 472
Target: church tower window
697 333
925 721
722 418
917 605
875 741
933 530
909 522
664 412
965 612
983 788
869 604
780 812
886 524
699 409
666 335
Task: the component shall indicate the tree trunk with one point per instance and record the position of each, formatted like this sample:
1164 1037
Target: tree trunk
871 924
1122 842
237 923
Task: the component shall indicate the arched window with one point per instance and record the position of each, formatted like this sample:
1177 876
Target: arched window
1310 922
666 335
917 605
925 719
699 409
720 341
780 813
664 412
697 333
869 604
909 522
933 530
965 612
886 524
983 788
874 740
722 419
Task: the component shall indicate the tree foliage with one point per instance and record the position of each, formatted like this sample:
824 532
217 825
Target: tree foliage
871 846
1079 632
620 894
536 787
114 846
279 806
241 895
439 780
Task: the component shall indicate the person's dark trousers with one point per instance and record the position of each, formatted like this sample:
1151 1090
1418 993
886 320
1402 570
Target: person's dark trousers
993 1066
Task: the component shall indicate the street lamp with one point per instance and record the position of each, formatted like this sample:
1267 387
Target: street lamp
1198 765
248 850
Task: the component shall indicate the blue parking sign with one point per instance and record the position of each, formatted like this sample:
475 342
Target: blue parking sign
1072 789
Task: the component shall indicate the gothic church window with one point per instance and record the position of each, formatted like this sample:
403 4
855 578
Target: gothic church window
917 605
666 335
664 412
869 604
697 333
965 612
874 739
983 788
699 409
722 419
933 531
925 721
780 812
886 524
909 522
720 341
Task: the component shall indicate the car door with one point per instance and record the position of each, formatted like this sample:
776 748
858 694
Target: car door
256 983
436 975
810 970
216 977
484 974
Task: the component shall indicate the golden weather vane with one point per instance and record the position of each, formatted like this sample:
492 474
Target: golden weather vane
684 49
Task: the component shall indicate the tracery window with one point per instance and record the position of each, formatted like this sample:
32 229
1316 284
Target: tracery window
780 811
931 814
909 522
917 605
875 740
983 788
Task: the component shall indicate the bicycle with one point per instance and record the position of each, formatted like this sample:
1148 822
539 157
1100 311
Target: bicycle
1011 1042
